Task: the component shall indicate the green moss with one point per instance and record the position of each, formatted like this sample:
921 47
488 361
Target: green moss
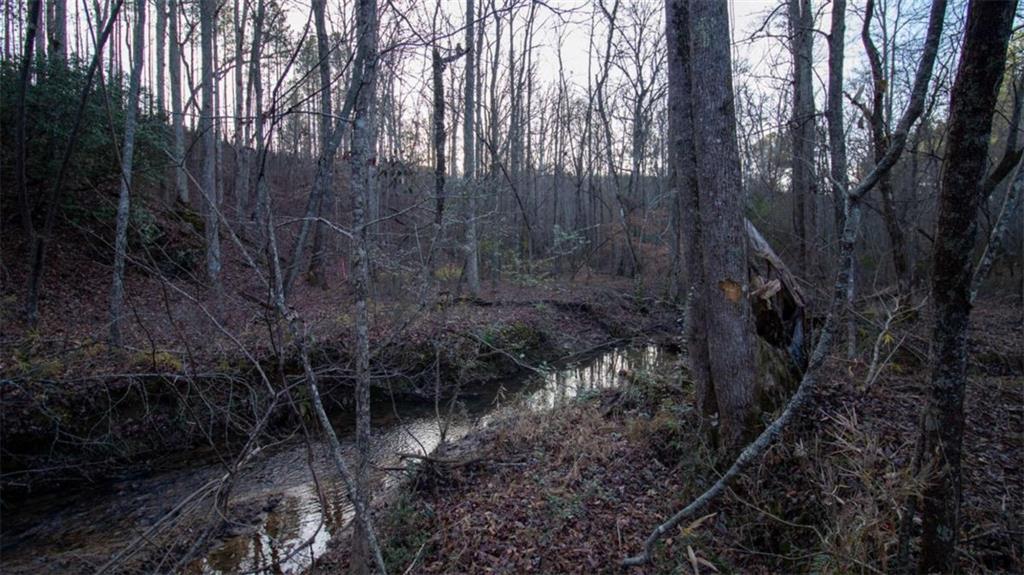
158 361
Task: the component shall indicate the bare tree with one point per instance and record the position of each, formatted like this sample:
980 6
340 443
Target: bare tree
208 180
161 54
58 30
880 141
22 120
705 162
469 155
854 197
177 115
837 148
683 177
972 104
362 185
127 155
801 25
316 267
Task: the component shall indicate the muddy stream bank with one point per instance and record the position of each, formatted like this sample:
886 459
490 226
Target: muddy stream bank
277 521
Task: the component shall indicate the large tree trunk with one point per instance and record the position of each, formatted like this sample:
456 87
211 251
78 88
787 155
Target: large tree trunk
719 184
208 180
127 154
972 104
683 177
469 155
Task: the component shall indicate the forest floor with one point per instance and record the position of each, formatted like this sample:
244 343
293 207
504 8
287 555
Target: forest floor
578 489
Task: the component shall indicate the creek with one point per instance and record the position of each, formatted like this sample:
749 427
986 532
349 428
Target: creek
287 503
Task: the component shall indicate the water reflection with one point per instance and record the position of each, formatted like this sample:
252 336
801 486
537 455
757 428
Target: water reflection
287 524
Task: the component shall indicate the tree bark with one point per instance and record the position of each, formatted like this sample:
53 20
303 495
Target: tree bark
837 151
362 185
326 199
972 104
58 31
124 197
801 23
51 201
161 54
469 155
719 185
683 178
21 177
208 180
880 142
177 116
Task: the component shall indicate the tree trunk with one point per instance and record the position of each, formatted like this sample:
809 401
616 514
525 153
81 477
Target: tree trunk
437 113
177 116
240 182
326 200
469 155
801 23
161 54
58 29
21 181
972 104
362 185
837 150
683 177
124 198
208 181
40 36
51 201
719 183
880 142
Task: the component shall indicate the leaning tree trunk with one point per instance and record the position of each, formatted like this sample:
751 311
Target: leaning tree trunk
52 201
719 184
124 198
972 105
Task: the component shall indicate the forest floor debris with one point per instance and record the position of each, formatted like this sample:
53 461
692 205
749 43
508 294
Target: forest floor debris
577 490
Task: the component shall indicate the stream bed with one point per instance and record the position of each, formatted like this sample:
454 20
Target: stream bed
279 523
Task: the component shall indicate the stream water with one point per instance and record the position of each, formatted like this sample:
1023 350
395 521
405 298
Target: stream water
279 521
